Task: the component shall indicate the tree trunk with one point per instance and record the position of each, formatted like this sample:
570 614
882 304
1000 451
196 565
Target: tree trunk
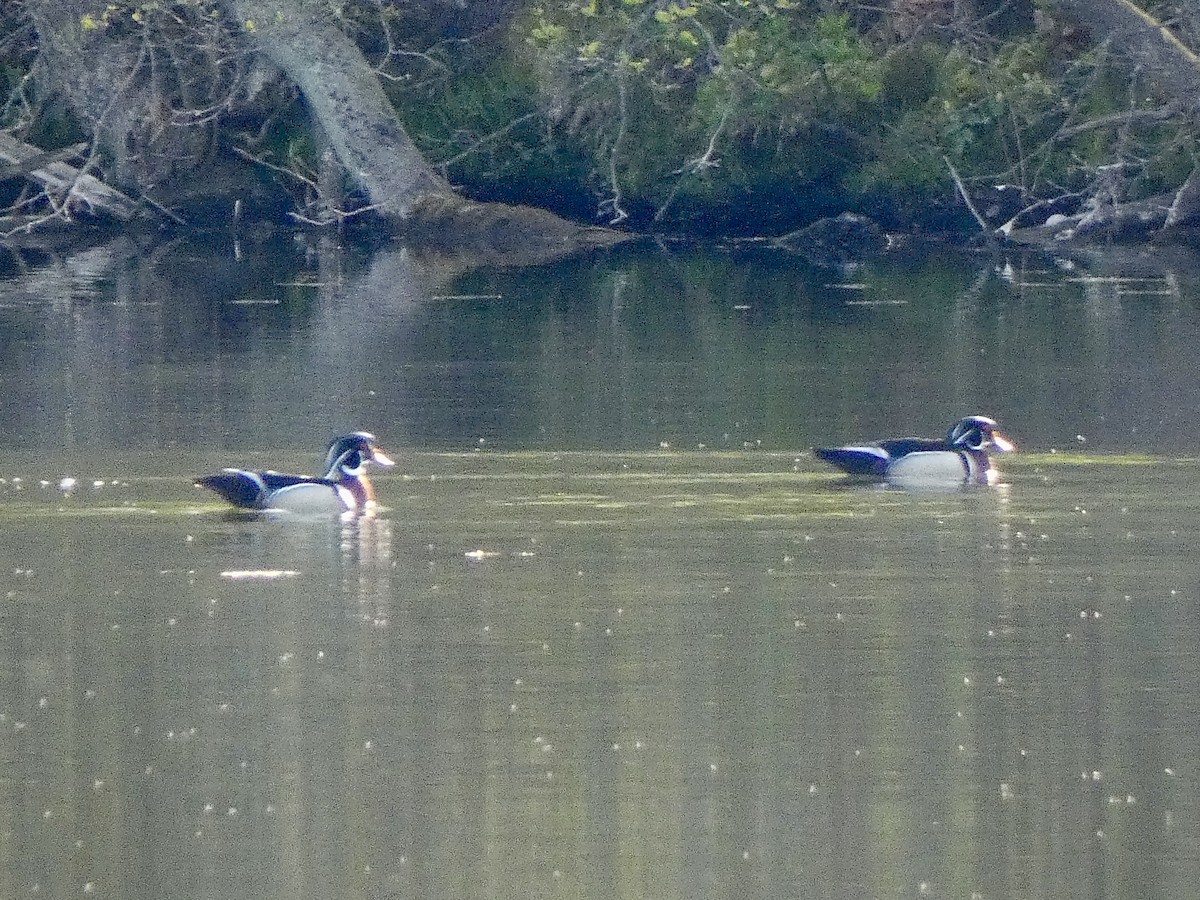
115 82
1160 56
345 98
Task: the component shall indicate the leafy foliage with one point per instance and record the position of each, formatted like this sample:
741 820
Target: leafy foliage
727 115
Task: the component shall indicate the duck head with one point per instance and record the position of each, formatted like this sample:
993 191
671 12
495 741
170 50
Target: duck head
978 433
349 454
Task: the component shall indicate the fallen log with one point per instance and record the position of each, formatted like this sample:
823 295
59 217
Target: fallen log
60 178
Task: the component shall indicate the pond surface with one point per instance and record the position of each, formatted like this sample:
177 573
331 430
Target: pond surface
615 632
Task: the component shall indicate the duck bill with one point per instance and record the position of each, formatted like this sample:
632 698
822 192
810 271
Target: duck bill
1003 444
378 456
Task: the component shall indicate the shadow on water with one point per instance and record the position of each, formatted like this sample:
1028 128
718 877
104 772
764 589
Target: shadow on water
196 346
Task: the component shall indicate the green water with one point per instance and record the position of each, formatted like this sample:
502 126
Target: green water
598 675
615 632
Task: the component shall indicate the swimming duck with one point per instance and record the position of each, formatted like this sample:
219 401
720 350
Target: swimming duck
343 488
962 458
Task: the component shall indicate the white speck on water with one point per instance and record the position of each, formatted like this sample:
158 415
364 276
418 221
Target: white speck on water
1006 791
68 484
43 702
745 854
512 708
1169 771
208 807
89 887
712 767
476 555
261 574
812 790
967 680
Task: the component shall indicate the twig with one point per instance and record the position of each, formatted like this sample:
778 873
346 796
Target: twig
614 202
962 190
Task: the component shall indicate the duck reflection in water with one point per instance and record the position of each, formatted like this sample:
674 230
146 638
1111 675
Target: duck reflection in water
343 488
962 457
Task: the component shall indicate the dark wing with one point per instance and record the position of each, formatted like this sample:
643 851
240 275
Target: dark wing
870 462
276 480
252 490
902 446
243 489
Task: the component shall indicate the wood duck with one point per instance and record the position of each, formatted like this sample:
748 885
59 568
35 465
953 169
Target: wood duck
343 488
962 458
